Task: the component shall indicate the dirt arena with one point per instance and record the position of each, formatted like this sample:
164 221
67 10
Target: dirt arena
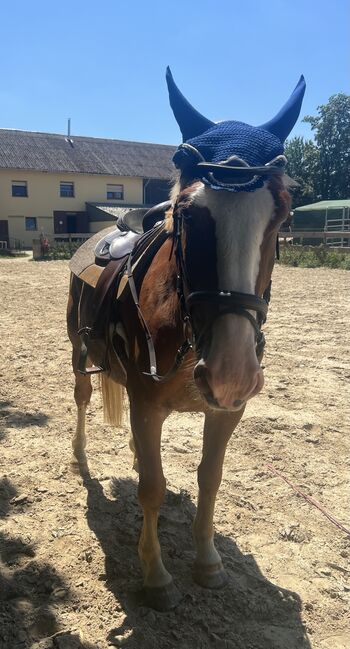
69 571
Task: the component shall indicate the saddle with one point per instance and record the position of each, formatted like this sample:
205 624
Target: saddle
130 228
132 244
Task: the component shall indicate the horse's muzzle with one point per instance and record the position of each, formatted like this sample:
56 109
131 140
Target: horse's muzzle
201 380
226 397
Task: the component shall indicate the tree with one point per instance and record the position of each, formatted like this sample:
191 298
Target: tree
303 167
332 136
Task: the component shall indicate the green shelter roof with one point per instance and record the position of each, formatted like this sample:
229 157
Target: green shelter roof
324 205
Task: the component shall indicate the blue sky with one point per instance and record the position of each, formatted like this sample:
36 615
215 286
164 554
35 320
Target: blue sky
103 63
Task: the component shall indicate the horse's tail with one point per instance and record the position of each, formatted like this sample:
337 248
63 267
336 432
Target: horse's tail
113 401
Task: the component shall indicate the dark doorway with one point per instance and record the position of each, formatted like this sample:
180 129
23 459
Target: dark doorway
4 232
70 222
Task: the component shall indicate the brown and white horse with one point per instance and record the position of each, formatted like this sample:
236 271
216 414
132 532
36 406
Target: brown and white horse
225 246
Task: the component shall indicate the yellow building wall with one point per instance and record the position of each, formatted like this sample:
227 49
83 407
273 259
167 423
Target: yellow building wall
44 198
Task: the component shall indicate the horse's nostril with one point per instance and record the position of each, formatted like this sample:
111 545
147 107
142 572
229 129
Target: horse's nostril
238 403
201 377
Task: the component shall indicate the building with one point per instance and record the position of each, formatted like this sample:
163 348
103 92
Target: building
57 184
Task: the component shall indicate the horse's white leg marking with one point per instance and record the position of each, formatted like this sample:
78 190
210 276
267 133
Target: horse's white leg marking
82 396
208 570
79 439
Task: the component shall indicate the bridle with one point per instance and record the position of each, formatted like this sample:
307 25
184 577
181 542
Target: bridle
225 302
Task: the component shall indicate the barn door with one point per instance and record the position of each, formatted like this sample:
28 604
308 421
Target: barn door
4 234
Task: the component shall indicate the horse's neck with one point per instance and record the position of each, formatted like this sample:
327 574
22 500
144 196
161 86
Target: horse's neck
158 296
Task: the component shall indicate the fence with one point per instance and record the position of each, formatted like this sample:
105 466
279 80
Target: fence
285 237
326 237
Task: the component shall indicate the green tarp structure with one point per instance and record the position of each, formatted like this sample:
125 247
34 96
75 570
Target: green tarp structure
313 216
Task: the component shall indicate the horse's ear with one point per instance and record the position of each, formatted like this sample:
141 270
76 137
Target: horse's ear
190 121
282 124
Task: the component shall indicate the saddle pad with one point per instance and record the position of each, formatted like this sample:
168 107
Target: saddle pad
83 264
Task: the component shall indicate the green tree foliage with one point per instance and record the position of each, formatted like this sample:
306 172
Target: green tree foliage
303 168
332 136
321 167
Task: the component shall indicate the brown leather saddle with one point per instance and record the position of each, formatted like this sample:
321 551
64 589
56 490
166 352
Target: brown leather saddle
130 229
130 246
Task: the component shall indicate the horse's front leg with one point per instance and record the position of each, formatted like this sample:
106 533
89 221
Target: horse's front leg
146 424
218 428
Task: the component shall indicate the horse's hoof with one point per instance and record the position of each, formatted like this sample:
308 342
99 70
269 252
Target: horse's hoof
210 576
79 464
164 598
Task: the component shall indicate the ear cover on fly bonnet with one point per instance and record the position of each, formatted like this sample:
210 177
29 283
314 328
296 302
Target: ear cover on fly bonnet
216 142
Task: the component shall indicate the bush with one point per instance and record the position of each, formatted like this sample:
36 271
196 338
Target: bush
61 250
314 257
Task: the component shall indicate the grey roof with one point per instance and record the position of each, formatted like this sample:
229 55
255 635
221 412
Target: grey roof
105 212
87 155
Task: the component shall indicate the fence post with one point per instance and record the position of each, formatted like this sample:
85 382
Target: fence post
37 249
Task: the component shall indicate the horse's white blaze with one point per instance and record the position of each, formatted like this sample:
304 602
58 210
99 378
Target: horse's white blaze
231 367
240 222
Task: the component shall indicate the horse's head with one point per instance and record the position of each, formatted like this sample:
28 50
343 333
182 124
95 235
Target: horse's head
231 202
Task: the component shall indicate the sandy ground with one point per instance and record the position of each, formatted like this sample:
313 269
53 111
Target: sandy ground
69 571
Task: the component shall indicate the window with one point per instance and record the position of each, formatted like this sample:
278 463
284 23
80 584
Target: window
115 192
31 223
67 190
19 188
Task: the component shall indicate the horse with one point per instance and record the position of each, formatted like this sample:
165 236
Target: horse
187 336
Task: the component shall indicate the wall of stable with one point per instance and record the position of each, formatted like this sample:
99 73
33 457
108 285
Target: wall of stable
44 198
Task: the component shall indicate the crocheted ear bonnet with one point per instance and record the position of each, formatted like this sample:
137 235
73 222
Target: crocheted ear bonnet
239 146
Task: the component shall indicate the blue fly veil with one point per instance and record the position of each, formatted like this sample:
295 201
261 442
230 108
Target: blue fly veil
231 155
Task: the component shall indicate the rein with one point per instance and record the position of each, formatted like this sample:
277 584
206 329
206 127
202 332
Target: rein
181 352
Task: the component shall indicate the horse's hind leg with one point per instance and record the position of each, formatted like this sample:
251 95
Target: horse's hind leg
82 396
208 569
83 389
146 422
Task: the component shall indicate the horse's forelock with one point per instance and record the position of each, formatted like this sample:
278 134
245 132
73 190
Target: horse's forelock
181 198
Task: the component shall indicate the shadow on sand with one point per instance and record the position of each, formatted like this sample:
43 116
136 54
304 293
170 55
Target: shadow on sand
11 417
30 591
249 613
